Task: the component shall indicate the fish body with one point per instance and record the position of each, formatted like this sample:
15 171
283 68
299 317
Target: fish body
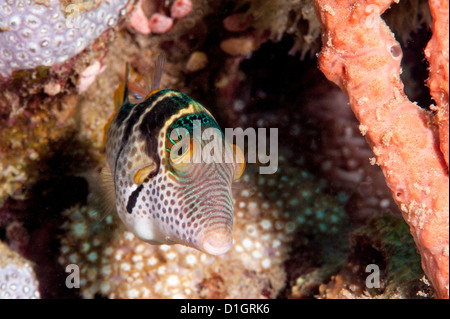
161 199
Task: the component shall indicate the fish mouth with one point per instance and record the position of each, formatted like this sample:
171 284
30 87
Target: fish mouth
217 241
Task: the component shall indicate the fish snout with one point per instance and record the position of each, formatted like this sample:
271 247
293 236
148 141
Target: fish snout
217 240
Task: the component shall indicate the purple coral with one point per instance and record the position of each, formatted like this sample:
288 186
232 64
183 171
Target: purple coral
17 278
46 33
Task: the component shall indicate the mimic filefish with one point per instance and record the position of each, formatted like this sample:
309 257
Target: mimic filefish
162 194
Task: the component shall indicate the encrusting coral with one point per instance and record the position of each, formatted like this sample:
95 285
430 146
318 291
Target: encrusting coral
437 55
362 57
263 20
17 277
46 33
384 241
334 144
157 22
46 53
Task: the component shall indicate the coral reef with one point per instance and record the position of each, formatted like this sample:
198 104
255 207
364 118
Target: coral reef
274 19
391 248
43 136
307 231
88 76
180 8
362 57
17 277
44 34
43 61
406 18
148 17
437 55
29 223
315 119
341 153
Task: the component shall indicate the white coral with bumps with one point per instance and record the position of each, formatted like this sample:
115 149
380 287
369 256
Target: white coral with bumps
17 277
44 33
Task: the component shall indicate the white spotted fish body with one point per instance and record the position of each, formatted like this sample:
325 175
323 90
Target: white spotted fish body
161 199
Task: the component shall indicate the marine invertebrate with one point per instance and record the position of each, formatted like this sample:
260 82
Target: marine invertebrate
276 206
149 17
197 61
180 8
17 277
88 76
30 226
119 265
52 88
138 19
362 57
160 23
44 34
29 139
383 241
437 55
238 46
275 18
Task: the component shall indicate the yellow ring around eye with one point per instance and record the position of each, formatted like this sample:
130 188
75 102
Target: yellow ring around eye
176 159
182 162
239 166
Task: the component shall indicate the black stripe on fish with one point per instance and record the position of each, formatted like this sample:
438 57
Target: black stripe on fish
153 121
160 112
133 198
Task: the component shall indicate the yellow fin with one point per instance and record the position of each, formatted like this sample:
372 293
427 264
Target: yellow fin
151 93
240 164
120 97
106 127
121 93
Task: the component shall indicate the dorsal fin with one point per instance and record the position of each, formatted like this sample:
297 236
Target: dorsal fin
120 98
121 93
159 68
137 92
157 75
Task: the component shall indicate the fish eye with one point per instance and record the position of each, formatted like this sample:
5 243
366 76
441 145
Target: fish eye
181 156
180 153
